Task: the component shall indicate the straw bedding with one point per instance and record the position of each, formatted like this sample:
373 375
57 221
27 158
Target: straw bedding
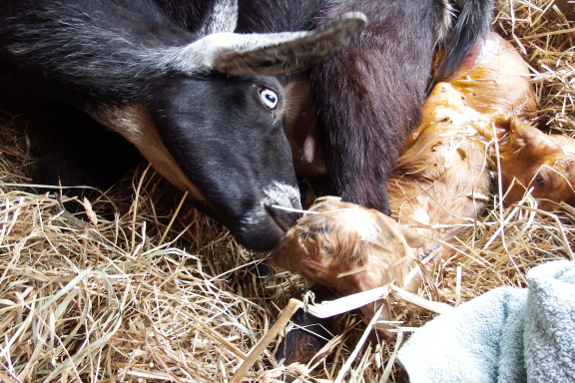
139 287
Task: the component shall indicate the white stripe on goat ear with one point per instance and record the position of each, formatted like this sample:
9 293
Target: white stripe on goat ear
267 54
223 18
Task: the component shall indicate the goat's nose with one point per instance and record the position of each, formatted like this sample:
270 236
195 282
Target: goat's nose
284 217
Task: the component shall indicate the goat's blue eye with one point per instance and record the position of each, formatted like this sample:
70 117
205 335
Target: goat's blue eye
269 98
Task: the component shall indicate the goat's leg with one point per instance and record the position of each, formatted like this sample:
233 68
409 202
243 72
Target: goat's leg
370 96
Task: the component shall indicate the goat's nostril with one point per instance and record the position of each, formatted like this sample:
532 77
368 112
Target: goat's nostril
284 217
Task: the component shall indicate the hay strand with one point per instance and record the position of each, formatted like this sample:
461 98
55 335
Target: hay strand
137 286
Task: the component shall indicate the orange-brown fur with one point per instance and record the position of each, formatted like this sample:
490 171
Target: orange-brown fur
443 176
442 179
543 164
348 247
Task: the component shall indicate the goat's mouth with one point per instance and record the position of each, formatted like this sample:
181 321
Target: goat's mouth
283 217
263 228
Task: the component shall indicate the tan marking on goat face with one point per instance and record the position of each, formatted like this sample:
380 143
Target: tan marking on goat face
135 123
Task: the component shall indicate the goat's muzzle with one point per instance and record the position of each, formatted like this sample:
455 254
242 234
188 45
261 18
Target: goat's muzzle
284 217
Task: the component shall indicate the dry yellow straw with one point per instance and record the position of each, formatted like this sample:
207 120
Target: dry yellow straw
292 306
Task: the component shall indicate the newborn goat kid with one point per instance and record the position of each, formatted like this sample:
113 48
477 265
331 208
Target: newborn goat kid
441 181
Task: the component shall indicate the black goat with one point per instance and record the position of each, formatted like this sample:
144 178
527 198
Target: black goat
363 102
198 101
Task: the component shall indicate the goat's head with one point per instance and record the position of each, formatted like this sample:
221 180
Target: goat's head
348 247
213 125
530 159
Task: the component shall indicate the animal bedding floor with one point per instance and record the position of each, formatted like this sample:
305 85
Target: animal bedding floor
139 287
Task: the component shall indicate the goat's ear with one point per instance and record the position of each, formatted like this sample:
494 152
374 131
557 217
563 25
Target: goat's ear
533 143
411 236
269 54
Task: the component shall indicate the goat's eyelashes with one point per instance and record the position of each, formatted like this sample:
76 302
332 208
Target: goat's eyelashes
269 98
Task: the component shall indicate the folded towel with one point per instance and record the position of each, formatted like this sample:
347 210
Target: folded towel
506 335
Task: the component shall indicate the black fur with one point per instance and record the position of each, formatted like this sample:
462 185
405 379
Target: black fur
307 337
370 97
97 48
93 57
70 159
98 55
66 59
365 115
473 19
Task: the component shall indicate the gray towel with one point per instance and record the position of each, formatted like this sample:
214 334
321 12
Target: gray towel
507 335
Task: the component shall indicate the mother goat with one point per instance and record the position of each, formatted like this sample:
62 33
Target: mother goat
197 103
364 101
200 105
